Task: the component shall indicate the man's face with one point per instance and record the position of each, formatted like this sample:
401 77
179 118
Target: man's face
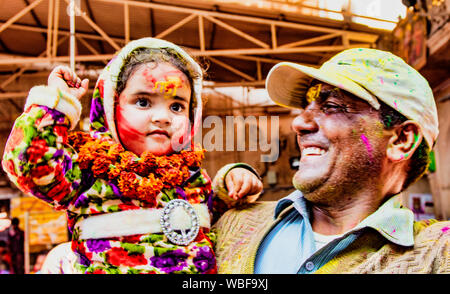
342 144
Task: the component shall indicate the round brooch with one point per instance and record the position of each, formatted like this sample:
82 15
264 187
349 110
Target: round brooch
179 236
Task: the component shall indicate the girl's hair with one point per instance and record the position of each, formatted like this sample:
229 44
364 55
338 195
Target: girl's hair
142 56
148 55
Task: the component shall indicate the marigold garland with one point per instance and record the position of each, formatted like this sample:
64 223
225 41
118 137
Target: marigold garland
139 178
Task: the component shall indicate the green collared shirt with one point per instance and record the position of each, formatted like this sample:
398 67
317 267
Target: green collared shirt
289 246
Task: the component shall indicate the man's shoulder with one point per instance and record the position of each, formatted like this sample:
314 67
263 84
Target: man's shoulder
426 231
259 207
255 212
431 225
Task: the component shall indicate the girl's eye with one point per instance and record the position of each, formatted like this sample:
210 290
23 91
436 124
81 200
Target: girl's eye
177 107
142 102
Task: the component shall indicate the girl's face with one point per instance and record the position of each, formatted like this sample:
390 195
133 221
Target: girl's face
152 113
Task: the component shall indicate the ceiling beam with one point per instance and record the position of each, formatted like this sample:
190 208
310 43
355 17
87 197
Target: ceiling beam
176 26
18 15
236 31
232 69
91 15
356 36
310 40
61 32
262 51
17 60
96 27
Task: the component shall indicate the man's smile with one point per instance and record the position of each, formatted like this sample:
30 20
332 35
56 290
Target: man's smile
310 150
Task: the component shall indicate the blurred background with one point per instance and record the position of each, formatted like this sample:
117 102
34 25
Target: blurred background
237 42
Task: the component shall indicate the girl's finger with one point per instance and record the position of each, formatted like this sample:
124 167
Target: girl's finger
231 189
78 84
257 185
245 186
85 84
229 182
74 79
238 183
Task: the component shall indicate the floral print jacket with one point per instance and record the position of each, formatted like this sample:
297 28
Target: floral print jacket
40 161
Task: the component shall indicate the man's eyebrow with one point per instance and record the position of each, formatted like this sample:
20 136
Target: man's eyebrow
325 93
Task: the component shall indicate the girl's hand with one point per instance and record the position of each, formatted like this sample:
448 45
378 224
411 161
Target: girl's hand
63 78
241 183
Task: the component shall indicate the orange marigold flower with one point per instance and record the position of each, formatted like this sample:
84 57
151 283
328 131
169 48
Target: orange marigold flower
141 178
193 158
128 184
101 166
113 173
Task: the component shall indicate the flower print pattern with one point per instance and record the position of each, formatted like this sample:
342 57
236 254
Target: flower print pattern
204 261
171 261
121 257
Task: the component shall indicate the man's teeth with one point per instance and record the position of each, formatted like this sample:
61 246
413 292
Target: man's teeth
313 151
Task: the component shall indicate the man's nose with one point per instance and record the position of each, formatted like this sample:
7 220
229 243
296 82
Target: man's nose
305 122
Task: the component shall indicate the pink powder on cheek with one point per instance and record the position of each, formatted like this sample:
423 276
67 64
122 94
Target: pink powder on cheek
125 128
367 143
181 131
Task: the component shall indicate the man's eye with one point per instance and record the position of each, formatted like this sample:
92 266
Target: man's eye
142 102
329 108
177 107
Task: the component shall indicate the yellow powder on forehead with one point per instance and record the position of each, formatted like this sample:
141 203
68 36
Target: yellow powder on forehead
169 86
313 93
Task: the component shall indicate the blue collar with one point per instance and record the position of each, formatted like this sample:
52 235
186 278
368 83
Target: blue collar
391 220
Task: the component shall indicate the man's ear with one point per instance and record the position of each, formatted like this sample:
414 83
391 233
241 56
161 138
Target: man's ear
404 141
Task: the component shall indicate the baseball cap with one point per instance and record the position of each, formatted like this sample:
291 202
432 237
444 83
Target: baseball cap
371 75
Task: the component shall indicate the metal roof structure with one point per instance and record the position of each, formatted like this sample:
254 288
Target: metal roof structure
238 44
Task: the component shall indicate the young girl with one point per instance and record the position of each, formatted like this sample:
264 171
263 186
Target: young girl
136 198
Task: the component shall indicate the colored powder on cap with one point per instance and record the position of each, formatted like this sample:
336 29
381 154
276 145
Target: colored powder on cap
395 103
445 229
381 80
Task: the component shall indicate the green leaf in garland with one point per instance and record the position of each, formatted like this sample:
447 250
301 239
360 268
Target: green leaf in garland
132 248
111 270
134 271
158 251
113 208
153 238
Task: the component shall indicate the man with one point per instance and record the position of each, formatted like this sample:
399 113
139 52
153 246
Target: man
368 123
